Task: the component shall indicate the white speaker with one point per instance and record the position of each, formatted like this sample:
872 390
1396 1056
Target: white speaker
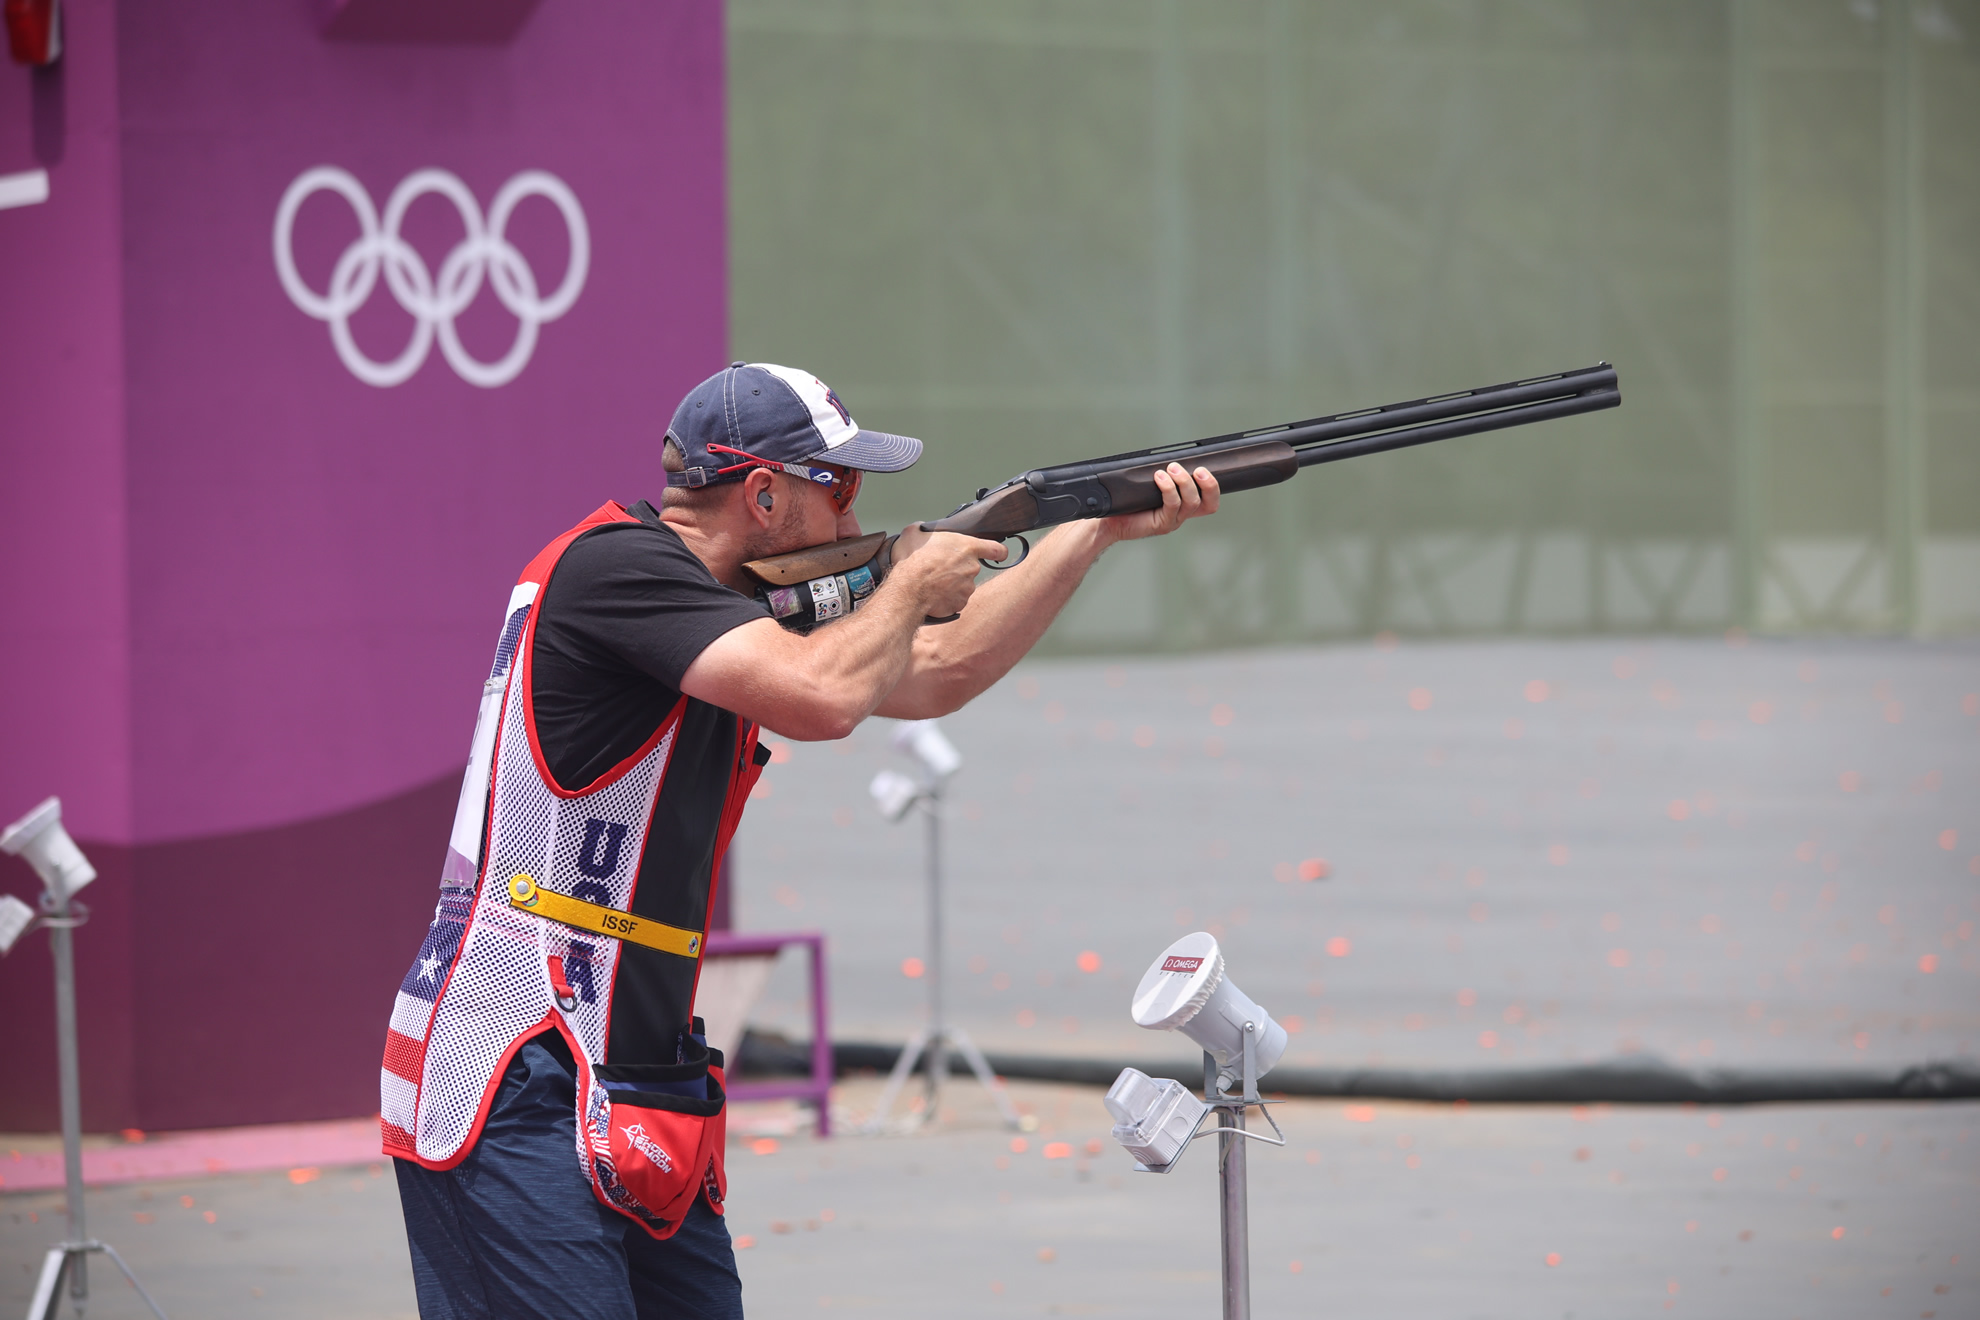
893 792
15 918
926 743
1187 990
39 837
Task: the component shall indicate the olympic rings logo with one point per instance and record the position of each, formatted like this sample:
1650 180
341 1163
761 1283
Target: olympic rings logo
433 303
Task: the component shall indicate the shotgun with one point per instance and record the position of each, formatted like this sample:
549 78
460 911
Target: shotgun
808 587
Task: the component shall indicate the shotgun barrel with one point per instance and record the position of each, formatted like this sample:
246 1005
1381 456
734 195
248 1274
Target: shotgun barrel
1246 460
812 586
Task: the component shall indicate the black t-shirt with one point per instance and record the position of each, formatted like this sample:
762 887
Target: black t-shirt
627 609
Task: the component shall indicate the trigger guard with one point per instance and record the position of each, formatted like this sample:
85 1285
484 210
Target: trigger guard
996 567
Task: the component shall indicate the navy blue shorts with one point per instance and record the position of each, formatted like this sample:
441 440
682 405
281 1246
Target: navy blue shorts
513 1231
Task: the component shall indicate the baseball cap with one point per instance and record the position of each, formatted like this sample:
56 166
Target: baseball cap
777 415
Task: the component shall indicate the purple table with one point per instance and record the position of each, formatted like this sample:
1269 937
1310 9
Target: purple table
818 1087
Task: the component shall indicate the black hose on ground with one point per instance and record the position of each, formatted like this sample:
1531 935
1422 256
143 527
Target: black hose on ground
1636 1080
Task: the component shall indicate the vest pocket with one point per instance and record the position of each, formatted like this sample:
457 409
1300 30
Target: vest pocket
664 1130
664 1085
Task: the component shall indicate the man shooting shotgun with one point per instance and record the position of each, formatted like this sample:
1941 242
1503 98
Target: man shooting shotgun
827 581
555 1114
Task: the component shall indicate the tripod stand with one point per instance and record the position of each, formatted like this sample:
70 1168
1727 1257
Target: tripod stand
70 1258
938 1037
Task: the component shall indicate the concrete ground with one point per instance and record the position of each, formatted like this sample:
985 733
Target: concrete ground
1762 854
1380 1209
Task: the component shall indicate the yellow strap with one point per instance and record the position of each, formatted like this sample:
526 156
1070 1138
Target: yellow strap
525 894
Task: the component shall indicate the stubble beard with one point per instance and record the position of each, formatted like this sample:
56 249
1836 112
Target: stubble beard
780 538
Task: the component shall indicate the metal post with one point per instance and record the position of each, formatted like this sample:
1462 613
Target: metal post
70 1260
63 869
1286 303
1746 100
938 1032
821 1040
1236 1220
1231 1180
61 943
930 1046
1169 278
1904 332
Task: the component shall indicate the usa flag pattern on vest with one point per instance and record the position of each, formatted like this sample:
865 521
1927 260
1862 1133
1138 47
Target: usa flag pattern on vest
412 1010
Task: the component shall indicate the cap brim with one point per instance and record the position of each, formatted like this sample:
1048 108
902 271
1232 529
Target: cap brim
874 451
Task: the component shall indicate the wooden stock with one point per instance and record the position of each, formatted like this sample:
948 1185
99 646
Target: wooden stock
804 565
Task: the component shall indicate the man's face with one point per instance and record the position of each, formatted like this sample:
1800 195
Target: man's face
806 515
829 509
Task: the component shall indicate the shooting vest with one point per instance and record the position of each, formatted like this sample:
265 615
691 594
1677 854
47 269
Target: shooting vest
495 970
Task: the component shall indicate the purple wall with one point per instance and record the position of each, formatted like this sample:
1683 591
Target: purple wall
65 633
253 595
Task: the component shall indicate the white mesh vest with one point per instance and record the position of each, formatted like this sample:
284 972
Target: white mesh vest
483 981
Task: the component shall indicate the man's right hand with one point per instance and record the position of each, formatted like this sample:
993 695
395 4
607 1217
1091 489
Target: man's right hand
938 569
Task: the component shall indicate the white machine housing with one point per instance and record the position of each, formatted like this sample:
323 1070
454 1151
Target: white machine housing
893 792
15 918
1153 1117
39 837
1186 990
926 743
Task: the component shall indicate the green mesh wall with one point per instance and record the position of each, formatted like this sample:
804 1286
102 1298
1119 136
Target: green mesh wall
1036 232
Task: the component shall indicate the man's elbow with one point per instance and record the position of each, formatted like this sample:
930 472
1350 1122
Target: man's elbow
837 725
940 690
816 721
947 699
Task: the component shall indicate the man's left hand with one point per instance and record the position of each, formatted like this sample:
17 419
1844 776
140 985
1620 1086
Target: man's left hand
1184 496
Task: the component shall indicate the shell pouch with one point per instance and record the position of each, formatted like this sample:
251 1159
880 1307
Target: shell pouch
651 1135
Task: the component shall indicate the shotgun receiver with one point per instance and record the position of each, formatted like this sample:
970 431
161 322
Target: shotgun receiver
813 586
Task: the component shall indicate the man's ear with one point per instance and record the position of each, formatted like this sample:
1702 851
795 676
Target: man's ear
760 496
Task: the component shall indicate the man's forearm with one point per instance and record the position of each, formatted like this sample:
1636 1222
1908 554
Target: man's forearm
859 660
820 686
955 662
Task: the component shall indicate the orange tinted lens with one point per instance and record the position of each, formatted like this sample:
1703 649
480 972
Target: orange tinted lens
846 489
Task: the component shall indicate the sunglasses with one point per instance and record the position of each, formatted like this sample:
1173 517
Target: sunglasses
844 481
845 486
